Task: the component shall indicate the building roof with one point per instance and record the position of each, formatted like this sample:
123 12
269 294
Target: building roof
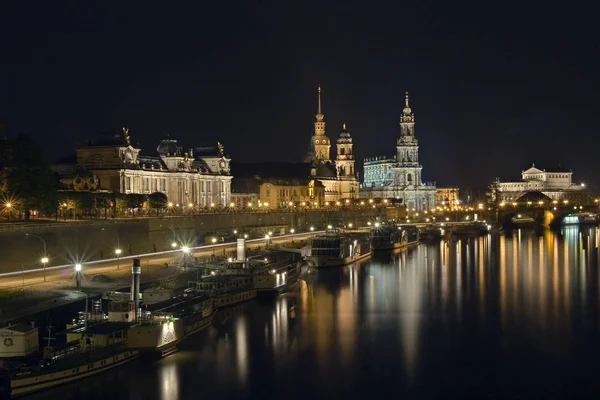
270 170
19 328
534 197
108 139
556 169
326 170
244 185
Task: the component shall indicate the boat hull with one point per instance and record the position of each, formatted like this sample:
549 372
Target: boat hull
393 246
329 262
21 386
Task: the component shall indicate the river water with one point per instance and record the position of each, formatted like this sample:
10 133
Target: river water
502 316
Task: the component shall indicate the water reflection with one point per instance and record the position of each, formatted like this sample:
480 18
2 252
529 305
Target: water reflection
513 311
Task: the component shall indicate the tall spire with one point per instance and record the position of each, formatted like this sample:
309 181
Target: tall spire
319 96
406 100
320 116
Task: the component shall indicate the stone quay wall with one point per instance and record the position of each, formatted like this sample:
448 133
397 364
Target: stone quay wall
82 241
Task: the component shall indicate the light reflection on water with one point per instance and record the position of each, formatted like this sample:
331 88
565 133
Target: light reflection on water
509 311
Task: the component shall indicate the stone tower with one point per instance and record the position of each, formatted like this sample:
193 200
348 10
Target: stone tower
320 142
345 158
407 150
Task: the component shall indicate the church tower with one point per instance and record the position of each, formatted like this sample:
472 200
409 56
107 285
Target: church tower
345 159
407 150
320 144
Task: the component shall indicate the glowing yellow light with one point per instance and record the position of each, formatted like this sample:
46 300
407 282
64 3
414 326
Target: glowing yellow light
190 205
168 205
371 201
212 204
232 204
249 204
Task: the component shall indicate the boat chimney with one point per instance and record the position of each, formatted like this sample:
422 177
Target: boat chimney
241 249
136 271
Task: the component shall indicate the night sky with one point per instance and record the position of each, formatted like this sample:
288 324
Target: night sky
494 86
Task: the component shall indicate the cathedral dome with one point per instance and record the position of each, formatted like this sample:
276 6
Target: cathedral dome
169 147
344 136
326 170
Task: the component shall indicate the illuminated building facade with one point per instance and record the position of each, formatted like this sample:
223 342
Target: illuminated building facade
399 177
557 184
200 176
446 196
339 177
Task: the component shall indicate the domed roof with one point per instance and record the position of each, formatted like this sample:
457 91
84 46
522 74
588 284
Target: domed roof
344 136
169 146
326 170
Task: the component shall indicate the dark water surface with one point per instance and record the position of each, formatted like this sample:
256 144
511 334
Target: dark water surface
496 317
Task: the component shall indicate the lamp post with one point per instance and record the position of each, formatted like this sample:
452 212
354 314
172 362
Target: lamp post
44 263
8 206
78 275
118 253
44 256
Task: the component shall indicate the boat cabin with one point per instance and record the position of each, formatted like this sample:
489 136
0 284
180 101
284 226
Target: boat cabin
18 340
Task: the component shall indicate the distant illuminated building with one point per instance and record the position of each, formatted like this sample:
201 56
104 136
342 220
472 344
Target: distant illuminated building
339 177
446 196
557 184
399 177
200 176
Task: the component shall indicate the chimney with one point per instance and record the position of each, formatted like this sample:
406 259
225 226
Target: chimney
241 249
136 271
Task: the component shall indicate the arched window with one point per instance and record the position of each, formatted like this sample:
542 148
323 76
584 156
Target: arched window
409 178
342 151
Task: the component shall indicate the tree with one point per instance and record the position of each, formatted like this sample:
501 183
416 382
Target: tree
104 201
134 201
28 176
158 201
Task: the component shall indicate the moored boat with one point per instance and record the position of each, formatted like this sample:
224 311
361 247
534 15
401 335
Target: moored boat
390 237
336 248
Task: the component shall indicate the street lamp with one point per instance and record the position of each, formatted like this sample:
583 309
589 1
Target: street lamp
350 225
174 244
185 249
118 253
312 228
44 263
45 255
78 275
292 230
214 240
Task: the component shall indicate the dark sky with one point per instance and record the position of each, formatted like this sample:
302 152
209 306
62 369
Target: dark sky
494 85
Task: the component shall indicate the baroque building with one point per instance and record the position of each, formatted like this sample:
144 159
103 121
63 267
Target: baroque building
448 196
339 177
199 176
557 184
399 177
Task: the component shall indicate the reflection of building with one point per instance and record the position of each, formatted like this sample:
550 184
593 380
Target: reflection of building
446 196
556 184
339 177
399 177
200 176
